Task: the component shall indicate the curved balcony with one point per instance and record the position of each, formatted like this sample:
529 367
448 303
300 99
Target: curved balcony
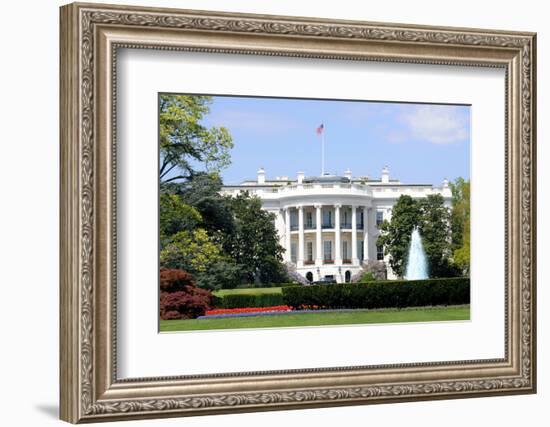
310 190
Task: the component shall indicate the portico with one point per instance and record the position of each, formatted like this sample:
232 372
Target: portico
325 223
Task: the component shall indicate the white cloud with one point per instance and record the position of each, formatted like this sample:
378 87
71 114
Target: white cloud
437 124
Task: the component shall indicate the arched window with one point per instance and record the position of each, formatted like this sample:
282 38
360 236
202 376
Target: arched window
309 276
347 276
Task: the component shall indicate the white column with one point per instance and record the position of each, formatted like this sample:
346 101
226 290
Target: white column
300 236
337 239
354 259
368 233
288 256
280 226
318 236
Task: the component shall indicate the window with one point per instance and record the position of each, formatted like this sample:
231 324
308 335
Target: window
293 251
309 220
327 247
360 249
346 219
327 219
309 249
293 220
379 218
345 250
379 253
361 219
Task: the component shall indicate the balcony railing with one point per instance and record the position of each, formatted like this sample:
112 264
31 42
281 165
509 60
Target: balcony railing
343 226
328 261
309 262
346 261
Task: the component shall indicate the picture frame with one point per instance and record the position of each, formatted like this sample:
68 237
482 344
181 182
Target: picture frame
91 35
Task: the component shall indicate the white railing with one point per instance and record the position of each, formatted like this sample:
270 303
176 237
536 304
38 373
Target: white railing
352 188
338 188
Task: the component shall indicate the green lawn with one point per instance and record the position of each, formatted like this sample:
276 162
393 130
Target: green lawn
247 291
426 314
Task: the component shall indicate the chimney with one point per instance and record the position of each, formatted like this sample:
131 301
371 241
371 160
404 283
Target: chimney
385 175
445 183
347 174
261 176
300 177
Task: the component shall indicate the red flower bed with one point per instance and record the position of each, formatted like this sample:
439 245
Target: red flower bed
247 310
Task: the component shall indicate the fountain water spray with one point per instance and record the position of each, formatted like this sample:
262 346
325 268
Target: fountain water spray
417 265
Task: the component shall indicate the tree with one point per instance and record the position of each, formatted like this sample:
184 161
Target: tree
462 255
254 244
435 229
395 235
433 220
460 224
223 274
192 251
176 216
184 141
202 191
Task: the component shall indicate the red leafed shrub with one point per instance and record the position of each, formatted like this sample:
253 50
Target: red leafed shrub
172 280
180 298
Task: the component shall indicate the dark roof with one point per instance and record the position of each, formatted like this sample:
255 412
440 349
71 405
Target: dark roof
326 179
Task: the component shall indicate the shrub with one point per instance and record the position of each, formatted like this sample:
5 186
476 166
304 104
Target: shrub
180 298
388 294
220 275
266 285
367 277
275 285
172 280
244 300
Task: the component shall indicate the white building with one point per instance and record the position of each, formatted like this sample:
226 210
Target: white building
328 225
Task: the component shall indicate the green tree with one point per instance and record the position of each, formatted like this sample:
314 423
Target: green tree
462 255
395 235
460 224
176 216
254 244
435 229
202 191
433 220
184 141
222 274
191 251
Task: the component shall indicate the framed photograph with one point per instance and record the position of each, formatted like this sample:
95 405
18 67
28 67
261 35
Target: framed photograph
268 212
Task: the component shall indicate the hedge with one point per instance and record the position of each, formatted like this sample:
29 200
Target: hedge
388 294
244 300
267 285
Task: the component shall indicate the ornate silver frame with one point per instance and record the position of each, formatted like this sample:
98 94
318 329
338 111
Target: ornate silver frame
90 36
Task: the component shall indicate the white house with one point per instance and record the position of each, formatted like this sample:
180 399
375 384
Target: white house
328 225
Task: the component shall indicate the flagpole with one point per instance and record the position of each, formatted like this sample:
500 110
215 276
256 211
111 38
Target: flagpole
323 153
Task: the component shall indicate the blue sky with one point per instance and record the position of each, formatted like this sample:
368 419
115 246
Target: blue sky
420 143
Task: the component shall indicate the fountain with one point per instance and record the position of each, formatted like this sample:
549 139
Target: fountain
417 266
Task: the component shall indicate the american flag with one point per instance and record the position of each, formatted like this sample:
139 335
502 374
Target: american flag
320 129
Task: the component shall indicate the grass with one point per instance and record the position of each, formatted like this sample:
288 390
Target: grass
247 291
425 314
